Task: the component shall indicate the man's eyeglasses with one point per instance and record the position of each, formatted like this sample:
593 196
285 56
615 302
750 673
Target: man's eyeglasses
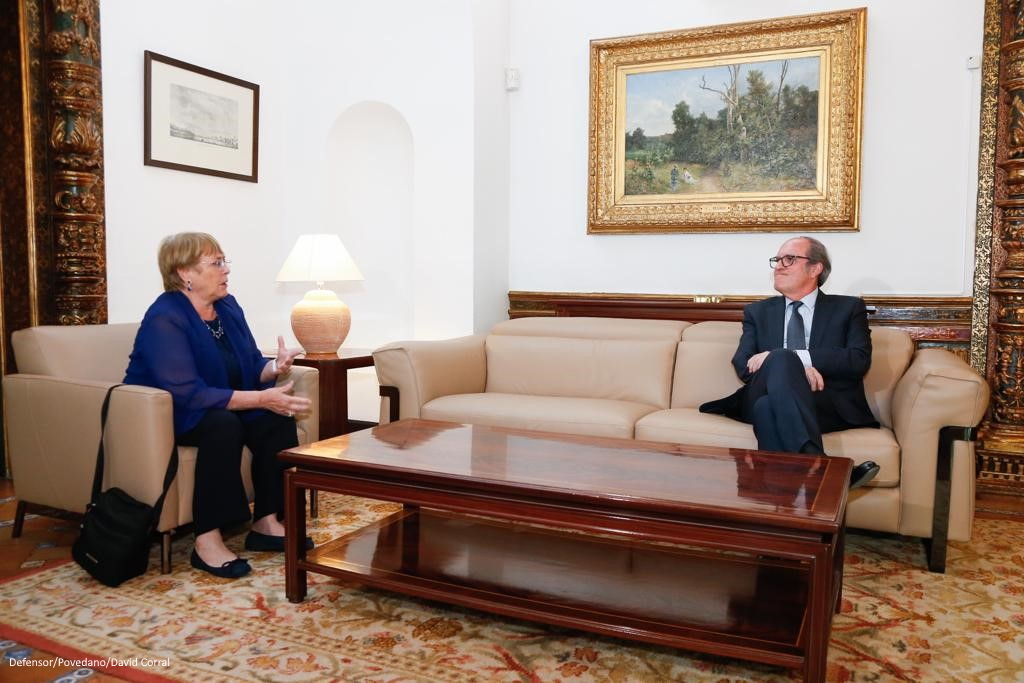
786 261
222 263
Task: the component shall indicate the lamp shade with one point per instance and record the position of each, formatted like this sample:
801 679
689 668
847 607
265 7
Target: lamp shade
319 258
320 321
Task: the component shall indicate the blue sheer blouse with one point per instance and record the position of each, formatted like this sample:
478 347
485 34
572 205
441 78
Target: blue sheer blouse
175 351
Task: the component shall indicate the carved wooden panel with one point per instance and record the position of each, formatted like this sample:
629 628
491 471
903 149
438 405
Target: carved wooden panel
1001 455
52 244
930 321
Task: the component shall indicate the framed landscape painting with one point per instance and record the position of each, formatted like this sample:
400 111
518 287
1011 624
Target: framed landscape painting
199 120
741 127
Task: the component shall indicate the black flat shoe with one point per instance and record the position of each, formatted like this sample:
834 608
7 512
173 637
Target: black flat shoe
232 569
863 473
264 543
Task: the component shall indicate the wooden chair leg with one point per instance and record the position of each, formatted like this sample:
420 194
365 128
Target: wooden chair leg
314 504
935 547
165 552
19 519
391 393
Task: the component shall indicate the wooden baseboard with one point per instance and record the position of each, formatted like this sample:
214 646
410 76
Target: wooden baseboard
999 506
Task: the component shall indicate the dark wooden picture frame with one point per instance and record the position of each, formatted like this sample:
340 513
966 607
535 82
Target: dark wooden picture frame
200 121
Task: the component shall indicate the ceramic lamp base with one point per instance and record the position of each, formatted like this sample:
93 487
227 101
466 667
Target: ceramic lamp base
321 321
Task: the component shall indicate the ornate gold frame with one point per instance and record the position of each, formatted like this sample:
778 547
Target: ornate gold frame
838 37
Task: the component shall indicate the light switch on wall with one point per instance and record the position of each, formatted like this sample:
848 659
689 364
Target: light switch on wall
511 79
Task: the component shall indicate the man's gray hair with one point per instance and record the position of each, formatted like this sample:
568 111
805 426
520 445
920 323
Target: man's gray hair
817 253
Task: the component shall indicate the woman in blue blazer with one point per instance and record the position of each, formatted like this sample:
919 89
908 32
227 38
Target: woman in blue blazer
194 342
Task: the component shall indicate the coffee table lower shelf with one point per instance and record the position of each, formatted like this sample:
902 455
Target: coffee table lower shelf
726 604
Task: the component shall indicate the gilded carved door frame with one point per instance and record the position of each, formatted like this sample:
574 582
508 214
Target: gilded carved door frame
54 214
998 321
52 210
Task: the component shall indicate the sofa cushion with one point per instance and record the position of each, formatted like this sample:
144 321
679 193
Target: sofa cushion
589 416
636 370
891 353
689 426
866 443
592 328
704 363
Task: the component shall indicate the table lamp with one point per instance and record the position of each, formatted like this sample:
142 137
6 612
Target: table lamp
321 321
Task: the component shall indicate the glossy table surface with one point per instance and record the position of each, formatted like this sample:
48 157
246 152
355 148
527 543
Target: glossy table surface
792 490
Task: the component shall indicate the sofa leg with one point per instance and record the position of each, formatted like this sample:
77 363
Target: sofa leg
935 547
19 519
165 552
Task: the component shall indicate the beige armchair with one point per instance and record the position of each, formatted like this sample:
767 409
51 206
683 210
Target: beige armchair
52 423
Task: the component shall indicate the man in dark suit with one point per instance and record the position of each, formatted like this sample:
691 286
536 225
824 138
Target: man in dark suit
802 359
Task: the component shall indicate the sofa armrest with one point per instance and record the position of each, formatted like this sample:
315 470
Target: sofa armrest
55 466
423 370
307 384
938 390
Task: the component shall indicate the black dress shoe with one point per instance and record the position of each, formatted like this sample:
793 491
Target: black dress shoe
863 473
232 569
265 543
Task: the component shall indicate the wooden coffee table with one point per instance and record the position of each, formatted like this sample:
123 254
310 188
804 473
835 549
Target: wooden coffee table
725 551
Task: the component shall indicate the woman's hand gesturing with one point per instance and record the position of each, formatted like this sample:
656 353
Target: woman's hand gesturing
280 400
282 363
285 356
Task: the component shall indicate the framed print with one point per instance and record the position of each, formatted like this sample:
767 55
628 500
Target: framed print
199 120
735 128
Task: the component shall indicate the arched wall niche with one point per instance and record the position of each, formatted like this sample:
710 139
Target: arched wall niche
370 204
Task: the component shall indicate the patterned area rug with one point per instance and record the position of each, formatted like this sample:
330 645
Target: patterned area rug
899 622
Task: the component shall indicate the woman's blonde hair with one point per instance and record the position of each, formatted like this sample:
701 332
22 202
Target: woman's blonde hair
183 250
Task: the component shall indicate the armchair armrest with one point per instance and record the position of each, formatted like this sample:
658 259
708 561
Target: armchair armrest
423 370
53 431
307 384
938 390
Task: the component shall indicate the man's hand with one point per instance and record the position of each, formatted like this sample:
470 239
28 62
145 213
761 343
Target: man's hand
755 361
814 378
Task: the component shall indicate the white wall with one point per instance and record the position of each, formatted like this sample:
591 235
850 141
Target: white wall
919 155
491 171
498 179
313 64
311 67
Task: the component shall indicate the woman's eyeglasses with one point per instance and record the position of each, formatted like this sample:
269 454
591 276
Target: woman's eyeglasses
221 263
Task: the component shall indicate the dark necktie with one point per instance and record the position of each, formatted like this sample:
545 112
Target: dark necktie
795 328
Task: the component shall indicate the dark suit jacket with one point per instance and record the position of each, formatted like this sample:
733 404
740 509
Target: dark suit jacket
175 351
840 349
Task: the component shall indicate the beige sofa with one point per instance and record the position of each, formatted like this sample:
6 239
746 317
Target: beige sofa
52 424
645 379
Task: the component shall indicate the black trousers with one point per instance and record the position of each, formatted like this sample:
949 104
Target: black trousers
219 500
787 416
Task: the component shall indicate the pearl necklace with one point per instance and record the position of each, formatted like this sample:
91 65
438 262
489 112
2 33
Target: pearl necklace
215 328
